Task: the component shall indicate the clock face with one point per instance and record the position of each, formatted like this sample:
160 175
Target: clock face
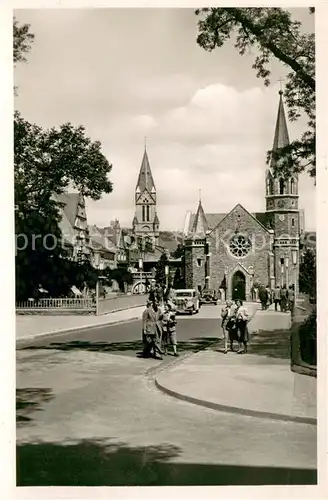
280 203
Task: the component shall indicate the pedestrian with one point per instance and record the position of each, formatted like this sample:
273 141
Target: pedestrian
152 327
228 325
146 348
152 295
269 292
283 299
242 318
277 297
291 299
169 323
263 295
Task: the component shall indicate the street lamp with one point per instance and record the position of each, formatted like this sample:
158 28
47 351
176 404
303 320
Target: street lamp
140 269
286 265
167 270
294 260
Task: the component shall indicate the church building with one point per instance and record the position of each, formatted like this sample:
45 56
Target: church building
145 222
239 250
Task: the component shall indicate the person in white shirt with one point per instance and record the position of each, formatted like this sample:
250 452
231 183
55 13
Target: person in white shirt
242 318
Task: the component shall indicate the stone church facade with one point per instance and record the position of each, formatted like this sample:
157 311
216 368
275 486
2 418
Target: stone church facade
237 250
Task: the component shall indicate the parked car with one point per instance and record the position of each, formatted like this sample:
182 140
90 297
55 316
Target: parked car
209 297
187 301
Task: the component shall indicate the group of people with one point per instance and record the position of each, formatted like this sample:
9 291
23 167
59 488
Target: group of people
280 296
159 329
234 325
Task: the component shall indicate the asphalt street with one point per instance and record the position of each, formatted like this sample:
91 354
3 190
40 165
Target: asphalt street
88 414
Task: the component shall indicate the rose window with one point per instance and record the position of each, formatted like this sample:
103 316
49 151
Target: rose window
239 245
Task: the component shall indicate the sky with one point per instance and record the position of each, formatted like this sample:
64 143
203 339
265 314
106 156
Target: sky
127 74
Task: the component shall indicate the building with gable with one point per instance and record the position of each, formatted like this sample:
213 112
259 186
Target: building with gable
74 225
238 250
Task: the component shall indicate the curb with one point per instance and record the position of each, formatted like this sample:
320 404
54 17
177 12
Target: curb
235 410
57 333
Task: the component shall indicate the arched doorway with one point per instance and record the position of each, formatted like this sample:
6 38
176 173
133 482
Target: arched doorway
238 286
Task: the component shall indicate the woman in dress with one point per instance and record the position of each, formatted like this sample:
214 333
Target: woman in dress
169 328
242 318
228 325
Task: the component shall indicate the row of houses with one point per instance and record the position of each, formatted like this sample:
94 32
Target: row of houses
111 246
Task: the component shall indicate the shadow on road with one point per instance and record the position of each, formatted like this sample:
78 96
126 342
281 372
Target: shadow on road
30 400
97 463
195 345
275 344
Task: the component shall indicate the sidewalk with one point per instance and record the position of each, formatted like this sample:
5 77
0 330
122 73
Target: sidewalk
259 383
32 326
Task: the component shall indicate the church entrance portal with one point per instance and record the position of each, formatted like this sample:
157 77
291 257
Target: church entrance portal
238 286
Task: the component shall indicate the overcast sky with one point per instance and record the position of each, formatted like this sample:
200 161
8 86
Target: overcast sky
129 73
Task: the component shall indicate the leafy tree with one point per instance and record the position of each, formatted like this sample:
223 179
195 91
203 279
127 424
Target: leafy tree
178 281
308 273
178 252
121 275
46 163
22 41
160 269
275 35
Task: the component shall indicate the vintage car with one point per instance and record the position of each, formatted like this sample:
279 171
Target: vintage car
208 297
186 301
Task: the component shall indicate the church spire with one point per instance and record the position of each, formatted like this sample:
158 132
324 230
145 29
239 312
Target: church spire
200 225
281 136
145 179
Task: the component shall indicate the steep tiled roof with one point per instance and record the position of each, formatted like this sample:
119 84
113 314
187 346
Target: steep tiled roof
200 225
281 137
71 201
145 179
214 219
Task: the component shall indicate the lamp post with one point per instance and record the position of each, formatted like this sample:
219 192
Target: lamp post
294 260
167 270
140 269
97 265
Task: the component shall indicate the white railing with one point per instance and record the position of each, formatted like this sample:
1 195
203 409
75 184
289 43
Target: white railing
84 303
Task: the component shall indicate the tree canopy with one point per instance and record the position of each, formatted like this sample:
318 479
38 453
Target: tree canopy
22 41
274 34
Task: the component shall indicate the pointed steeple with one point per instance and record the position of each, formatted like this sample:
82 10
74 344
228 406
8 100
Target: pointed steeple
281 137
145 179
200 225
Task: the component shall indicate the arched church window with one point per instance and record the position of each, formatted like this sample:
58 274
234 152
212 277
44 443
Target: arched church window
240 245
148 215
292 186
282 186
143 213
270 186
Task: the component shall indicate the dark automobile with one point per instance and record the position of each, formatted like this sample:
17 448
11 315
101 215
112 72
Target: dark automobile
209 297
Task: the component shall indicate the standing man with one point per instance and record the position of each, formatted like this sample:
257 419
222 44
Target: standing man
277 297
291 299
283 299
152 329
263 295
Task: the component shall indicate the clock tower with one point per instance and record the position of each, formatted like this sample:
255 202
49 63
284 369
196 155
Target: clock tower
282 211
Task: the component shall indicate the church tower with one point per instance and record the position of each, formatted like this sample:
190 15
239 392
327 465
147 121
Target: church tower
282 211
196 262
145 222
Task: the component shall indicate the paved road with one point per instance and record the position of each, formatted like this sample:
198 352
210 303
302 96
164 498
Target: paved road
89 415
193 333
